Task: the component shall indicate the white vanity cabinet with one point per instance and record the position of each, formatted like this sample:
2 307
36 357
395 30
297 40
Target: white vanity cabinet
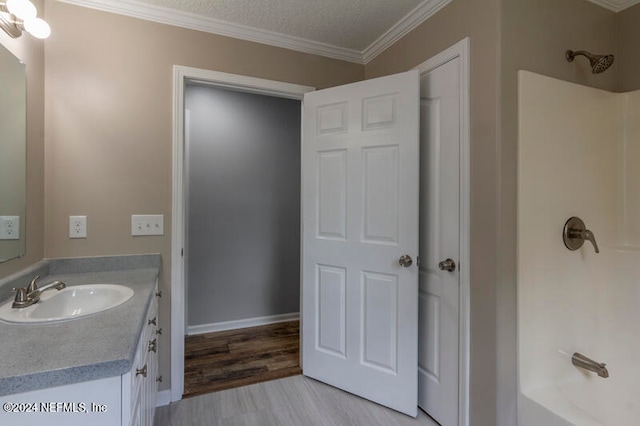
127 400
139 385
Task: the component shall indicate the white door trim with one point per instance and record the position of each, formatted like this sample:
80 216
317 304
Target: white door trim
181 76
461 50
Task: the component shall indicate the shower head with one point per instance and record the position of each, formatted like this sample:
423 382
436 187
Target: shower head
599 63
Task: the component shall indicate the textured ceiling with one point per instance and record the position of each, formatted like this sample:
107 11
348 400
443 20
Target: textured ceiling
352 24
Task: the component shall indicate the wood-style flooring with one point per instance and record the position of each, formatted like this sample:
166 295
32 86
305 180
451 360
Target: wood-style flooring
294 401
228 359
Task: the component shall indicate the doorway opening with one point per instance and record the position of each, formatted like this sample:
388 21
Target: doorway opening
242 254
185 77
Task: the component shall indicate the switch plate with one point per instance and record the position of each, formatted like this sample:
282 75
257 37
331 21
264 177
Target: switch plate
9 227
77 227
147 224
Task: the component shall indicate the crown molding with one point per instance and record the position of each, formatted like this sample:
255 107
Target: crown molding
215 26
192 21
615 6
163 15
417 16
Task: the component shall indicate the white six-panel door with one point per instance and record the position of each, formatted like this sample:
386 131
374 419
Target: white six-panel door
360 215
439 241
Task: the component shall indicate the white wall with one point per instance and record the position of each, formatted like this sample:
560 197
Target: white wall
567 162
576 150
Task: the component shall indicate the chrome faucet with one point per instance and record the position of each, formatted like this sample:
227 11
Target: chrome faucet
582 361
31 294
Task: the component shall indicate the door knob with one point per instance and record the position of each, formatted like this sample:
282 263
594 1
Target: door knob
447 265
405 260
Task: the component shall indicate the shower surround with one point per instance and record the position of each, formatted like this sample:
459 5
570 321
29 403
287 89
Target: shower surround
577 154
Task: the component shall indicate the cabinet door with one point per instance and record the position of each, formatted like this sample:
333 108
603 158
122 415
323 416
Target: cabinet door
142 388
152 380
136 419
149 384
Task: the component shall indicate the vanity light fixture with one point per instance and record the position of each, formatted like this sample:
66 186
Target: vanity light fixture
17 16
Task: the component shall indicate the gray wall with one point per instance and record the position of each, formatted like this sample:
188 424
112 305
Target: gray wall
243 249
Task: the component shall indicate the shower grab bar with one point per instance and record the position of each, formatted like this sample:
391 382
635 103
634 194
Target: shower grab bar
582 361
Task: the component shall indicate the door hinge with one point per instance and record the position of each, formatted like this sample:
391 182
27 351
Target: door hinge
182 252
418 261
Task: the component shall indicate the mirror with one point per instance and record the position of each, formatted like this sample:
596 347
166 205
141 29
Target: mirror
13 155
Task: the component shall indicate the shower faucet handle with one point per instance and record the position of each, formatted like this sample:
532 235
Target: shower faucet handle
575 233
588 235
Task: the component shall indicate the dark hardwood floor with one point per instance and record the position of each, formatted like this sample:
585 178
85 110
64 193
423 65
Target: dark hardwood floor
228 359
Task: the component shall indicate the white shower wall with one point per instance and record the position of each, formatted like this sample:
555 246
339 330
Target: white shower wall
577 149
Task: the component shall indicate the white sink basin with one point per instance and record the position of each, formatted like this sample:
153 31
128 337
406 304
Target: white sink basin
68 304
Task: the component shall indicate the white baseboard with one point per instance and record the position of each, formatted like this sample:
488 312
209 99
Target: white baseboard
163 398
243 323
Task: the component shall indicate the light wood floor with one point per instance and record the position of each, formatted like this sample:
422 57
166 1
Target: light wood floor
294 401
228 359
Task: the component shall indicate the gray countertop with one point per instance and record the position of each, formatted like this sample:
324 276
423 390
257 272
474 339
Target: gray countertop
37 356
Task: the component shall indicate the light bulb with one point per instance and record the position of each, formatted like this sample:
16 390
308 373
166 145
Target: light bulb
37 27
21 9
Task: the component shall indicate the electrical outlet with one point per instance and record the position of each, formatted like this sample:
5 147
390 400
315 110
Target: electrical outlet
9 227
147 224
77 227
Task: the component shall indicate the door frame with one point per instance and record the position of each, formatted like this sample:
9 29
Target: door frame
181 76
461 51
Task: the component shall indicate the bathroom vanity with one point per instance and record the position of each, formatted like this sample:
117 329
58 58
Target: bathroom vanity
100 369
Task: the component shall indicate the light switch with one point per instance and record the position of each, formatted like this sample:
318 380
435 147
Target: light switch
9 227
147 224
77 227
